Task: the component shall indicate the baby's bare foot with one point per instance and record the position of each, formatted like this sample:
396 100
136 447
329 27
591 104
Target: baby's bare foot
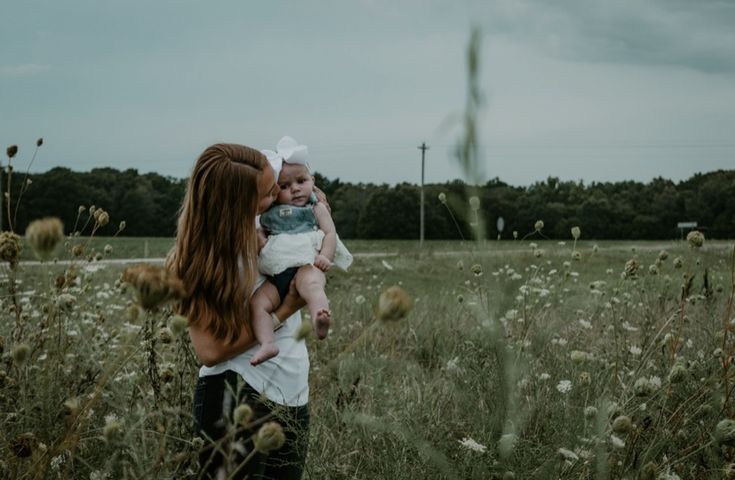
265 352
322 320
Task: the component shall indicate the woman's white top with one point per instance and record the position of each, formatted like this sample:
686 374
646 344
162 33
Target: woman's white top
283 379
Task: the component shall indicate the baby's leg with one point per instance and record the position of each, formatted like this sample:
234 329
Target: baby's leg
310 282
264 301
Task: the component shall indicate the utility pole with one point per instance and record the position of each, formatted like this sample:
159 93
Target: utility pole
423 149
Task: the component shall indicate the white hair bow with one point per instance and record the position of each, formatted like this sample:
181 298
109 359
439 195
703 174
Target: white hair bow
287 150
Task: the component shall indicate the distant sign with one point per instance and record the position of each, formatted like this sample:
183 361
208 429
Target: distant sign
500 224
686 225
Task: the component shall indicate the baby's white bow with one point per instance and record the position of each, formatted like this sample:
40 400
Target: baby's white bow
287 150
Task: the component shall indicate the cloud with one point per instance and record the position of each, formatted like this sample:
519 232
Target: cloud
696 35
25 70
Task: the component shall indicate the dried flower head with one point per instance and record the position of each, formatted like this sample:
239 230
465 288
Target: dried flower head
663 255
108 249
154 285
39 142
269 438
122 225
113 429
44 235
178 325
631 268
443 197
10 247
476 269
77 250
678 372
242 415
165 335
20 353
678 262
576 255
695 239
101 217
576 232
515 234
12 150
539 225
538 253
622 424
725 432
393 304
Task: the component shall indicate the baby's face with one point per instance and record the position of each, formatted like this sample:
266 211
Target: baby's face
296 185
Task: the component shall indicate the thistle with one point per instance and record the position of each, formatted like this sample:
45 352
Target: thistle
44 235
10 247
154 285
269 438
695 239
393 304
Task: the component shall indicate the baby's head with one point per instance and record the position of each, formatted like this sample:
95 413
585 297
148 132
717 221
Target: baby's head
296 184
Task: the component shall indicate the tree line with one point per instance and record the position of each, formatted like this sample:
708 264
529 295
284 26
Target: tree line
149 204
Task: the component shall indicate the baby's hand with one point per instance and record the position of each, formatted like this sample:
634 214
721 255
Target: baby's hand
322 263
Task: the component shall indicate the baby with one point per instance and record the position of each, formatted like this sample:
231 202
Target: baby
302 245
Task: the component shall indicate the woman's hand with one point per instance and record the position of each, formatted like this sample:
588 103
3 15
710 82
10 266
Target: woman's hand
322 198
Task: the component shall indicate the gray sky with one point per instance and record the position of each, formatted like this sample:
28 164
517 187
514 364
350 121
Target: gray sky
579 89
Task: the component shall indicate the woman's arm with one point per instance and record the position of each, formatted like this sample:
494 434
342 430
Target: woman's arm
211 351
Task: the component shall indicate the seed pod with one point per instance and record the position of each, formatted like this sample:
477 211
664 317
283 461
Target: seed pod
269 438
393 304
12 150
44 235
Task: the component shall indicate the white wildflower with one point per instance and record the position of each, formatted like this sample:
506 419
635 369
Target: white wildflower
472 445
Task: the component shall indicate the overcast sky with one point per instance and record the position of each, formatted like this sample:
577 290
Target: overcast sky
596 90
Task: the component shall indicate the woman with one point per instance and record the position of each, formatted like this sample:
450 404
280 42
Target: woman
215 256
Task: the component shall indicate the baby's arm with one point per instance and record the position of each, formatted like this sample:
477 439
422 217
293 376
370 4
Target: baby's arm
324 260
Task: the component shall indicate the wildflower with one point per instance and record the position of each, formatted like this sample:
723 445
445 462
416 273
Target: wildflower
576 232
585 378
642 387
653 269
474 203
10 247
472 445
65 301
393 304
544 376
11 151
595 248
578 356
359 299
443 197
101 217
564 386
81 209
725 432
635 350
567 455
166 374
113 429
154 285
20 353
242 415
178 324
270 437
663 255
590 412
476 269
631 268
108 249
576 255
622 424
515 234
695 239
44 235
678 372
460 265
122 226
538 253
617 442
165 335
538 225
39 142
678 262
77 250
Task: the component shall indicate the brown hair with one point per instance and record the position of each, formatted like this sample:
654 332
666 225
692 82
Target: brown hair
215 252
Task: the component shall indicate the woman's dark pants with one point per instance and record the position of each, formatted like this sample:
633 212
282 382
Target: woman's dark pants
215 399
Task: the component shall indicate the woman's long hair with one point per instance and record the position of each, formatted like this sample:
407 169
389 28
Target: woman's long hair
215 254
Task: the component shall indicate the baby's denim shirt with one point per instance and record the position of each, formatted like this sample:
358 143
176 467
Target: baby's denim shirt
290 219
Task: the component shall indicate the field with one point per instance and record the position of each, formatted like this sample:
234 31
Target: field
517 360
